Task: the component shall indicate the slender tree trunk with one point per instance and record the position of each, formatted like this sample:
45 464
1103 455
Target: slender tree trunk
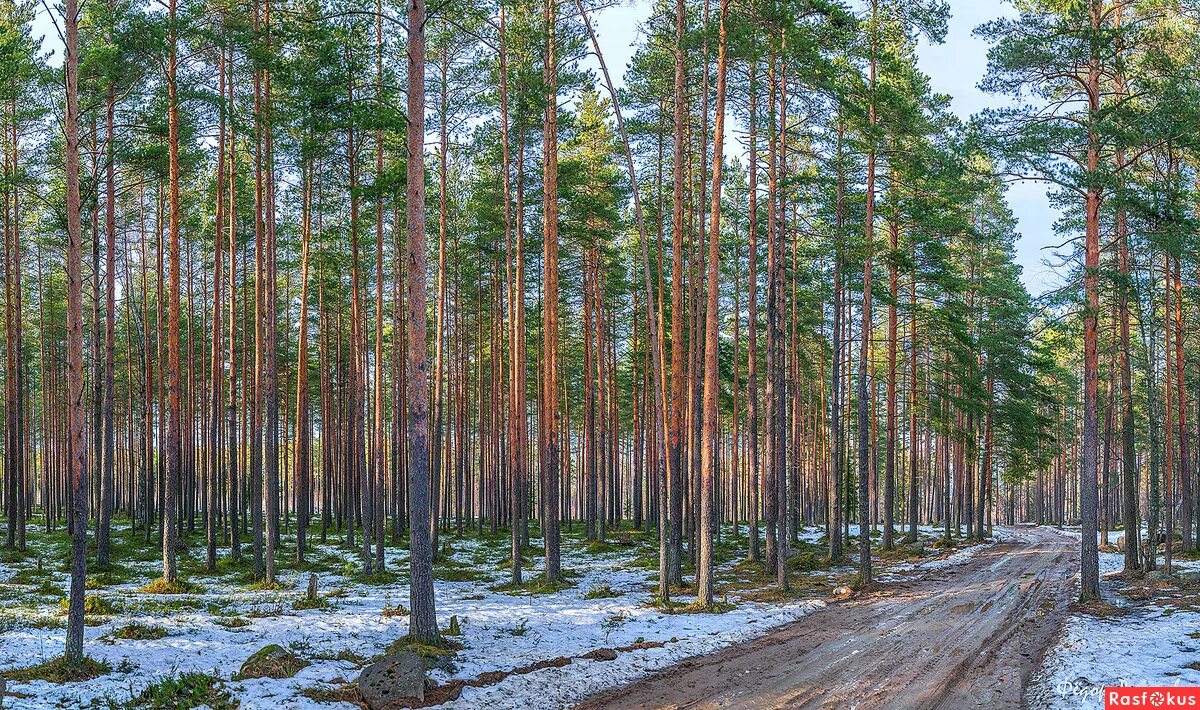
678 352
1128 453
379 467
423 620
174 405
913 500
215 392
708 467
235 502
752 322
516 332
864 354
302 464
110 246
271 327
1089 555
78 451
889 471
550 377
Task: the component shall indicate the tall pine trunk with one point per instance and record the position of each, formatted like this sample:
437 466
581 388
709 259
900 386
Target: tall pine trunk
78 451
423 619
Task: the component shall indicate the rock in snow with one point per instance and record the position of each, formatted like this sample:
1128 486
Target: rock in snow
384 682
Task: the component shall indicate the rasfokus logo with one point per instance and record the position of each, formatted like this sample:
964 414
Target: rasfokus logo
1151 697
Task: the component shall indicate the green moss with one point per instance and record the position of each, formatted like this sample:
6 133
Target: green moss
162 586
647 562
903 551
266 611
537 585
343 654
307 604
458 574
231 622
718 606
58 670
320 562
398 610
436 655
107 576
601 591
30 575
271 661
262 585
92 606
807 561
166 604
506 563
378 577
139 632
46 621
184 692
345 693
50 589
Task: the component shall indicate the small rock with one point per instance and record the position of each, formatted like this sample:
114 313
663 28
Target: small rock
387 681
272 661
842 592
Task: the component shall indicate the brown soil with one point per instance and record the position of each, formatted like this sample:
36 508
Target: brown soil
968 636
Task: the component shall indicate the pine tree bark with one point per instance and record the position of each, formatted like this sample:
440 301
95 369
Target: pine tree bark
1128 453
708 454
270 326
423 619
912 511
215 403
678 351
174 405
1089 554
550 376
301 467
379 446
110 246
234 502
889 471
78 450
517 435
864 354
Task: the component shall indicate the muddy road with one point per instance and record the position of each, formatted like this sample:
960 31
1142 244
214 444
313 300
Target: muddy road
967 636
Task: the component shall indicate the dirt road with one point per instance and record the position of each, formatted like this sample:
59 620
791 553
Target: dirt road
967 636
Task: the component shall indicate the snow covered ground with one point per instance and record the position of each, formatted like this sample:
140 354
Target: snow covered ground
217 628
1154 641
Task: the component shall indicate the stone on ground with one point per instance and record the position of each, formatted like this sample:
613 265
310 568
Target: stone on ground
385 682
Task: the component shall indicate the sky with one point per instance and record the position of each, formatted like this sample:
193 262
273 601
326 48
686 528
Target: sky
954 67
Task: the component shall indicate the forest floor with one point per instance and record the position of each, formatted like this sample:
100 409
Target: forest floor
955 637
549 647
1146 631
